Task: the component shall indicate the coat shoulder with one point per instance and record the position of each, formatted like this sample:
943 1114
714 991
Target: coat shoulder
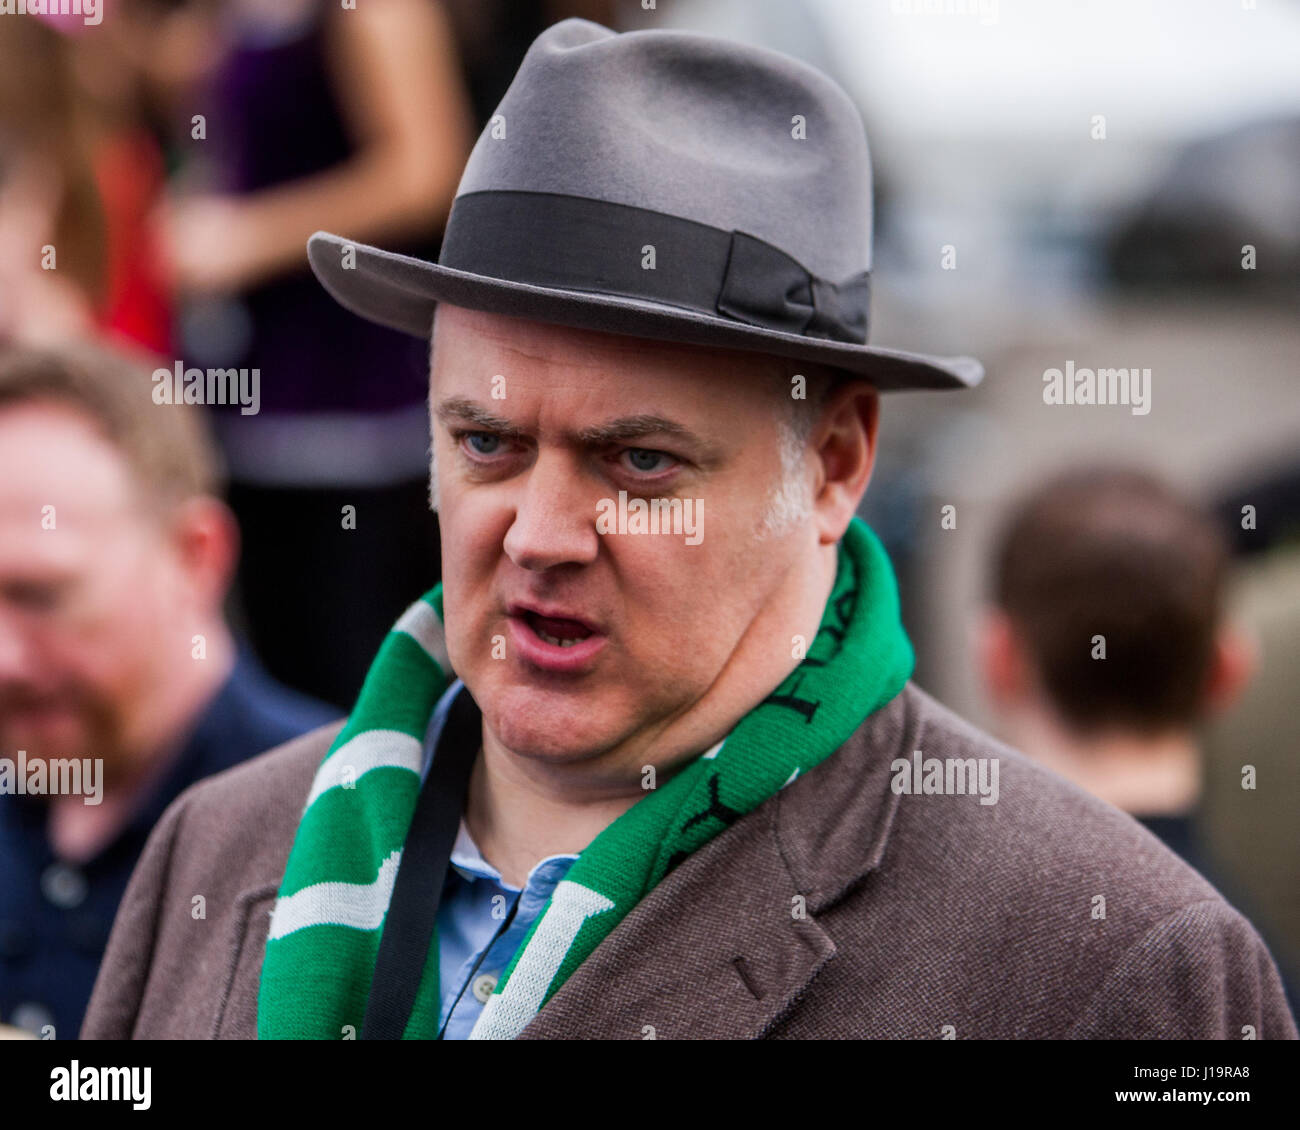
1038 829
1025 909
184 955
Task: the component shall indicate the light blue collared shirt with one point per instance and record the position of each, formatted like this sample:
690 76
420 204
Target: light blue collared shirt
482 919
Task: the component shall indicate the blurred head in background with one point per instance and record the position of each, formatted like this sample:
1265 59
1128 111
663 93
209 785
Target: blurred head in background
1106 645
115 554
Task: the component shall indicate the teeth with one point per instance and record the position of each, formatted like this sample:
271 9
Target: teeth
553 640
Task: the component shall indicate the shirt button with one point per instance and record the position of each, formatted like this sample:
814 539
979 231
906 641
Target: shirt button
31 1017
483 986
64 886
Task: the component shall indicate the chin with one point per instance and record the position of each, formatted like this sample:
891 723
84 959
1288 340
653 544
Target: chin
550 725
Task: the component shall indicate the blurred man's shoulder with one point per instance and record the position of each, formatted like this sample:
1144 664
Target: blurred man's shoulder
216 857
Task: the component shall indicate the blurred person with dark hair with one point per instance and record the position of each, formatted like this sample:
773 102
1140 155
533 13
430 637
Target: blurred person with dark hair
1107 647
115 557
312 115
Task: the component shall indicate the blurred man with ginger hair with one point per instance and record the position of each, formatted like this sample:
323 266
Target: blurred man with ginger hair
115 558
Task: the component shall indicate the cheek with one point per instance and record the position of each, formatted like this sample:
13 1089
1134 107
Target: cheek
124 627
684 606
471 550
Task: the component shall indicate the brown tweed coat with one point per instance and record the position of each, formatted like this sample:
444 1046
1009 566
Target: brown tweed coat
839 908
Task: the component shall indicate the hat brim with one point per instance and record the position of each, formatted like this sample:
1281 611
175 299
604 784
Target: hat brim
401 292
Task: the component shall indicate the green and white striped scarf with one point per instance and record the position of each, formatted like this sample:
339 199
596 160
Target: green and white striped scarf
327 922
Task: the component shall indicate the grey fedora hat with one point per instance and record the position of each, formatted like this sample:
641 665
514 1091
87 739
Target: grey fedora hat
659 184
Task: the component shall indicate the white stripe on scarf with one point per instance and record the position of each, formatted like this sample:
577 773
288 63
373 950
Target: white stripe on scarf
507 1013
371 749
360 905
421 623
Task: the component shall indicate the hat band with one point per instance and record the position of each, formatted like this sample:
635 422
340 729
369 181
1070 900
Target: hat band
592 246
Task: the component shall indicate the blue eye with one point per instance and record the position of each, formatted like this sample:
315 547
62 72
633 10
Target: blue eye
487 438
644 460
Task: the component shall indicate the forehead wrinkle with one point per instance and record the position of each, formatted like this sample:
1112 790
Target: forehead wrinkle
506 332
573 355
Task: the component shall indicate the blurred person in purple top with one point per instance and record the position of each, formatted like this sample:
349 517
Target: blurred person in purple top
314 116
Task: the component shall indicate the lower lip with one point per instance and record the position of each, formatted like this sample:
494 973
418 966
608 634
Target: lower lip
551 657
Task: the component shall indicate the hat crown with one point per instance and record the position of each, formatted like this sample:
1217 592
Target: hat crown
689 125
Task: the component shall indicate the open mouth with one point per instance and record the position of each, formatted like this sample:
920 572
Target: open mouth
556 631
553 640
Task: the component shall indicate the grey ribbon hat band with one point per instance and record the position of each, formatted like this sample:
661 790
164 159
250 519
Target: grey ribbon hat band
582 244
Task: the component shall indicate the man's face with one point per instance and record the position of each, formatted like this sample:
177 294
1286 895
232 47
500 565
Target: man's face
92 603
522 478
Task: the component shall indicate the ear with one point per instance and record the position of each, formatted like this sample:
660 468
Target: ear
1001 659
205 537
1233 664
844 440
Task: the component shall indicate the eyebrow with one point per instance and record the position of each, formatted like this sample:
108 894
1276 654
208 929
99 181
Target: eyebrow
618 430
460 408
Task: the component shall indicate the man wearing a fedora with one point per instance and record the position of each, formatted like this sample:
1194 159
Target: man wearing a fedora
649 762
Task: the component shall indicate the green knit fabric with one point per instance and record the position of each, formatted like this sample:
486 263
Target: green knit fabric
328 919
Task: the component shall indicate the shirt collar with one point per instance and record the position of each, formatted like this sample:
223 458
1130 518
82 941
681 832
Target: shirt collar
466 859
470 864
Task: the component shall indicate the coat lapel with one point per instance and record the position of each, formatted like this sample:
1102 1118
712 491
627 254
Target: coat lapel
724 946
698 958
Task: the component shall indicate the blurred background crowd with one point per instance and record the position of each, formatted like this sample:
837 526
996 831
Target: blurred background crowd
1106 185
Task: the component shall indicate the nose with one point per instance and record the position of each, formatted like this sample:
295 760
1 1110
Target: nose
555 517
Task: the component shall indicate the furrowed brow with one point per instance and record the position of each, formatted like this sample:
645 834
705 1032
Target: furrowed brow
620 430
705 453
468 412
632 427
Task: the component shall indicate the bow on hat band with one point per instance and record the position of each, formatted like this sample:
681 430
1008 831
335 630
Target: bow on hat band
592 246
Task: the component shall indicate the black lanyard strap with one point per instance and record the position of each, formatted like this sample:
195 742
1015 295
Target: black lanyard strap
417 891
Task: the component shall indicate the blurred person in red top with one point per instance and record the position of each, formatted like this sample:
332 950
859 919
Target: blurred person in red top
80 174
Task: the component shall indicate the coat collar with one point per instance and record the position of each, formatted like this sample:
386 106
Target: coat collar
718 950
